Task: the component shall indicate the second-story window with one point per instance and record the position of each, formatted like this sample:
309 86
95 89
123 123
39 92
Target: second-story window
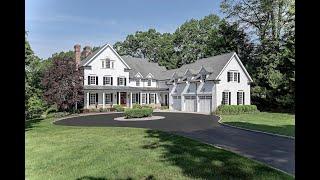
107 80
108 63
149 82
122 81
92 80
138 82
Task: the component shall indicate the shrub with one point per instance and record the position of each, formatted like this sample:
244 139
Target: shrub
236 109
138 113
136 106
36 107
118 108
164 107
146 106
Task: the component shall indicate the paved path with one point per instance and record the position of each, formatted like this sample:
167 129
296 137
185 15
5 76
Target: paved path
276 151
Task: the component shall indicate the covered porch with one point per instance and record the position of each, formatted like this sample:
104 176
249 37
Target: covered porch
106 97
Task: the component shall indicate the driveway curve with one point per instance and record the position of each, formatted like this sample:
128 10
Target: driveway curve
275 151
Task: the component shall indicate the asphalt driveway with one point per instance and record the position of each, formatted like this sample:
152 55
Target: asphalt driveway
275 151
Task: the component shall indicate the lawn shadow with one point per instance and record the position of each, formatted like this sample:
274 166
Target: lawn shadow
199 160
288 130
150 177
30 124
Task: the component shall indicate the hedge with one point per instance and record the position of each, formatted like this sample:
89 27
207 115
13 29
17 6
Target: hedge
136 106
118 108
138 113
236 109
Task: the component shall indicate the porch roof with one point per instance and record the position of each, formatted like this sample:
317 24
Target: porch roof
124 88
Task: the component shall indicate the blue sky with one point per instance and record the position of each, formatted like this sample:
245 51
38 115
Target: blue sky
56 25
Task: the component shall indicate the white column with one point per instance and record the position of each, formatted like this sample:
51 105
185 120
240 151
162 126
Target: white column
130 99
157 98
103 99
88 95
148 98
140 94
119 98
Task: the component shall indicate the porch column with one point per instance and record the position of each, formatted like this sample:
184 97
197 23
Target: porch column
140 97
103 100
157 98
130 99
88 95
119 100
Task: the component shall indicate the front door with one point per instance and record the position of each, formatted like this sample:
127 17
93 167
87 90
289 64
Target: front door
123 99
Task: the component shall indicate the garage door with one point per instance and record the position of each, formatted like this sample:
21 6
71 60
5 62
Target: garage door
205 104
190 103
176 103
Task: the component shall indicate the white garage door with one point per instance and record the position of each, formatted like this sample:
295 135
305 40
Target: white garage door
205 104
176 103
190 103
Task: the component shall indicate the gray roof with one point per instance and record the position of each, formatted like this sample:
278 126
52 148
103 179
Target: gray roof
123 88
213 65
143 66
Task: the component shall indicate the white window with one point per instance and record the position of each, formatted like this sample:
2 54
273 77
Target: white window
107 80
102 63
226 99
108 98
240 98
134 98
149 82
235 76
92 99
230 76
152 98
108 63
121 81
138 82
92 80
143 98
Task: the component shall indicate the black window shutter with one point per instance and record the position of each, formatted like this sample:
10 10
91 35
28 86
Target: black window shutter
229 98
97 98
222 98
125 81
238 77
118 81
149 99
96 80
137 98
155 98
243 98
88 80
111 80
104 80
238 98
228 76
111 99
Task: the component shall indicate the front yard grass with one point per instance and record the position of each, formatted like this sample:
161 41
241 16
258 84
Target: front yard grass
278 123
65 152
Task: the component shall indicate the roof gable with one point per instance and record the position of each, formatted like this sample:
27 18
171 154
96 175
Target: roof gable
93 56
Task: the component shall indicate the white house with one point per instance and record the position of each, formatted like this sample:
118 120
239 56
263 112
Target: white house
197 87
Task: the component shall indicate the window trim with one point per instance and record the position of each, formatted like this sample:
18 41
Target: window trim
92 95
94 81
106 99
154 96
242 93
105 83
144 99
123 79
228 100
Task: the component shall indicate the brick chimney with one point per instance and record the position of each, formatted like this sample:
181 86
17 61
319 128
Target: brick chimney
86 51
77 53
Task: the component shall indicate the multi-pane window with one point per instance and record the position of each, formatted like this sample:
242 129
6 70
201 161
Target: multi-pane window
143 98
138 82
134 98
226 99
92 99
149 82
121 81
107 80
92 79
233 76
152 98
108 98
102 63
107 63
240 98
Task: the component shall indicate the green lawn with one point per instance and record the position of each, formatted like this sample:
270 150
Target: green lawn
61 152
278 123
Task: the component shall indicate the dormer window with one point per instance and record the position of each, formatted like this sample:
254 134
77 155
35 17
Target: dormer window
149 82
203 77
138 82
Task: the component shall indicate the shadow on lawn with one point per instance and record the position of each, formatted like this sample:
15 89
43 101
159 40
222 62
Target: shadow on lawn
198 160
29 124
284 130
101 178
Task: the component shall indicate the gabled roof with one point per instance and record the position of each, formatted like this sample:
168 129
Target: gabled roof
143 66
91 57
